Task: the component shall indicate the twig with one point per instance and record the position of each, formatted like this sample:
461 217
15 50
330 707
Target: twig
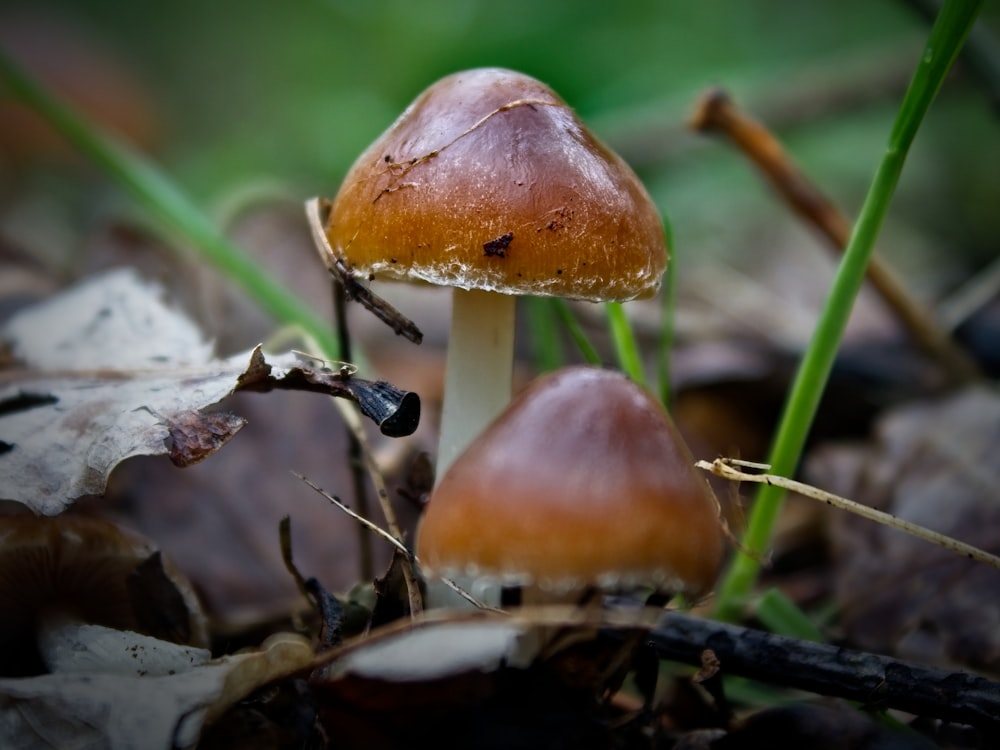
876 681
397 543
316 212
393 536
350 416
396 412
726 468
470 598
357 517
716 112
354 457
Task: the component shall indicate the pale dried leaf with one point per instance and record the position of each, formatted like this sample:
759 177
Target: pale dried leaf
79 409
70 646
124 711
115 320
448 643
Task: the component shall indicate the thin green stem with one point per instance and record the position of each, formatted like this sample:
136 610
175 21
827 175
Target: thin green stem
943 44
163 199
544 329
626 348
781 615
575 330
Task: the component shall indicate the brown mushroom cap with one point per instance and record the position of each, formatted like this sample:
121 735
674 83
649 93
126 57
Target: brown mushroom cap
583 480
85 568
490 181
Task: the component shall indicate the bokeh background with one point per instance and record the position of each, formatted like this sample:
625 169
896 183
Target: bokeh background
235 95
254 106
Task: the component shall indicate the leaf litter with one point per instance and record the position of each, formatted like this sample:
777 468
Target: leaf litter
180 715
109 371
931 462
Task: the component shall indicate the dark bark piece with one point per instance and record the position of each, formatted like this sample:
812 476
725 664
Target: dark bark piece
874 680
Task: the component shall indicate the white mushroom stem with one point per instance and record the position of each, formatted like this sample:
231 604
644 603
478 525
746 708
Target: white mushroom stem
478 369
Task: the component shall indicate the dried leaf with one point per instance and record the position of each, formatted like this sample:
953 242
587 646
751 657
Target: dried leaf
932 463
118 711
112 373
114 321
195 436
534 676
71 646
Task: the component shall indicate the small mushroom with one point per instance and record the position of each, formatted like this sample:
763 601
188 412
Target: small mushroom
489 183
582 483
57 573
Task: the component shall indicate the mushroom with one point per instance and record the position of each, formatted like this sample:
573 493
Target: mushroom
582 483
489 183
60 573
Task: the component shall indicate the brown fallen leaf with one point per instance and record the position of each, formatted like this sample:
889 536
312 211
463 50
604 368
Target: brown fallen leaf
119 711
195 436
932 463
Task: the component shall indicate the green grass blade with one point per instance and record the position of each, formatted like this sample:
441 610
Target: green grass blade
164 200
944 42
781 615
543 327
575 330
626 348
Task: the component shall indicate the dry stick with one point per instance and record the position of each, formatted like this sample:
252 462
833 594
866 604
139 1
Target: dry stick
395 542
717 113
350 416
354 456
317 213
877 681
726 468
356 516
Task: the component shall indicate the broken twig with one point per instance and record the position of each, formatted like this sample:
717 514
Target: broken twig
716 112
317 210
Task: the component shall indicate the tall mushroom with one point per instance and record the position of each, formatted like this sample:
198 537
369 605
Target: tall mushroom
489 183
582 482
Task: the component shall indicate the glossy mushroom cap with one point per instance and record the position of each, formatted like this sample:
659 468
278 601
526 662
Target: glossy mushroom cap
490 181
583 480
92 571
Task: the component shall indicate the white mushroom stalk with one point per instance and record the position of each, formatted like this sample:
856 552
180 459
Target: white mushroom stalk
478 369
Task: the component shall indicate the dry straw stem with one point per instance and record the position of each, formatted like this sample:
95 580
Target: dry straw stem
350 416
375 528
727 469
395 540
353 421
716 112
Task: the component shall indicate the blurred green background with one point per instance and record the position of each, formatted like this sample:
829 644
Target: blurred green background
257 94
258 98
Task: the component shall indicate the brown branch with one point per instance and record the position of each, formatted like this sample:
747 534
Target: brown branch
716 112
317 212
879 682
396 412
354 458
